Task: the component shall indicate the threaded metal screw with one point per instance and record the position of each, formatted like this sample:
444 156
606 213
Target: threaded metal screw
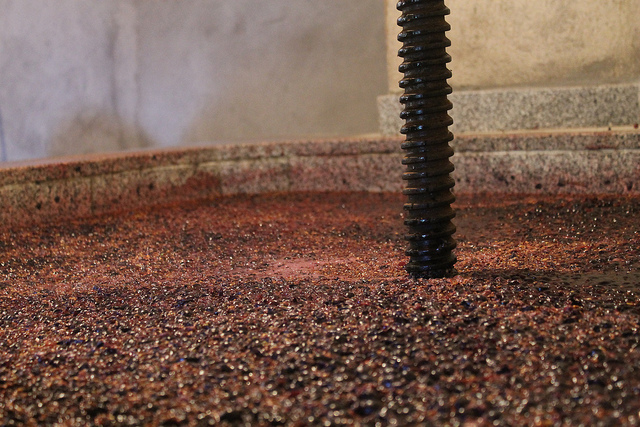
428 181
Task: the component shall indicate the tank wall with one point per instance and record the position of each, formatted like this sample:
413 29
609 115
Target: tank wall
543 43
80 76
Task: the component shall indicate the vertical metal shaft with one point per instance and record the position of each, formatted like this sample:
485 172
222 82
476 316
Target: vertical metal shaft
428 181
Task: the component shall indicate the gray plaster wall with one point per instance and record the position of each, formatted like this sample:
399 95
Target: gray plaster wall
81 76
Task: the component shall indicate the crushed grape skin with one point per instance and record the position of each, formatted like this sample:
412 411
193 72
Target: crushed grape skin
295 309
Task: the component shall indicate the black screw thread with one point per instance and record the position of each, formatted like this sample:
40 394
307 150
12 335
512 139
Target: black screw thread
428 168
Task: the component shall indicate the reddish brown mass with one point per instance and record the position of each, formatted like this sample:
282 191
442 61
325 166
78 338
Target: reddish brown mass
295 309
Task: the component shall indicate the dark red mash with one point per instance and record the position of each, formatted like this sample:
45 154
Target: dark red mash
295 310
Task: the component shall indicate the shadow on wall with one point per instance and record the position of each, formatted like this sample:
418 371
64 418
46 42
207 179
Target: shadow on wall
94 133
247 70
336 101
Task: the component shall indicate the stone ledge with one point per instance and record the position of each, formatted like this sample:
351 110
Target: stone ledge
530 109
537 162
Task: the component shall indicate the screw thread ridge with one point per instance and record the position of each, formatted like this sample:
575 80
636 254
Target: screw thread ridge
427 152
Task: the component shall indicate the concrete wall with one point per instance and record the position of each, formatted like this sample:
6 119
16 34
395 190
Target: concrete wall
80 76
528 65
542 43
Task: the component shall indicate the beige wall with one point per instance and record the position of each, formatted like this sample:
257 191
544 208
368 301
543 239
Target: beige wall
541 43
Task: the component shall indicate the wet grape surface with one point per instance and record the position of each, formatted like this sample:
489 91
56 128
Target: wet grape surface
295 309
